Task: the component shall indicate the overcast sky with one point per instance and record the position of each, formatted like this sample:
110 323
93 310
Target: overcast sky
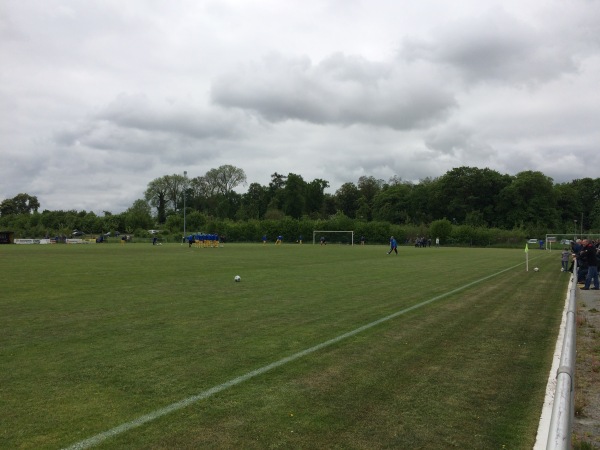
99 97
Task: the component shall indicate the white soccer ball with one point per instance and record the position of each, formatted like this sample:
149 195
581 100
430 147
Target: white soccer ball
536 269
237 278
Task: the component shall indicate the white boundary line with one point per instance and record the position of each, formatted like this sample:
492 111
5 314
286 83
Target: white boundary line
97 439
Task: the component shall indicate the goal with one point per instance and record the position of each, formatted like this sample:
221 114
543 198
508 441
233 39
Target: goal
338 237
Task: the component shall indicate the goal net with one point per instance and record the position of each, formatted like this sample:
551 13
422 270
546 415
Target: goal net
333 237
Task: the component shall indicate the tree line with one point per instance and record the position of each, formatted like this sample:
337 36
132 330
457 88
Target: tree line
465 196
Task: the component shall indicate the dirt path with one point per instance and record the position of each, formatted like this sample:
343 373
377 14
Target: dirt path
586 427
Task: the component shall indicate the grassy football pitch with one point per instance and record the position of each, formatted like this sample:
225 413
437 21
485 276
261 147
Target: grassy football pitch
137 346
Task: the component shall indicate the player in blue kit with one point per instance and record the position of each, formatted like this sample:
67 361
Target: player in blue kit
393 246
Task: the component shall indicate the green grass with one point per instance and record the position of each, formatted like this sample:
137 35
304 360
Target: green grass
95 336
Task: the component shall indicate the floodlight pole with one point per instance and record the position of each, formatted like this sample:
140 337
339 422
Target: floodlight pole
184 185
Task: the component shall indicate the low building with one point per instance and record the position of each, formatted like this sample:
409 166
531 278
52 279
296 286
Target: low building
7 237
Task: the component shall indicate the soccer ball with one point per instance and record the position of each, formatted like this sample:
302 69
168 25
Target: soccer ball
237 278
536 269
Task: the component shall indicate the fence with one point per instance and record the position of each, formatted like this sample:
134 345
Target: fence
563 406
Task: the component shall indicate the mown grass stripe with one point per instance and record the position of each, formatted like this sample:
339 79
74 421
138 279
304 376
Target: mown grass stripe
97 439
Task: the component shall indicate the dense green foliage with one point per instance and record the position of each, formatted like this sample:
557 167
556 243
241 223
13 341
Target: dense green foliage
460 206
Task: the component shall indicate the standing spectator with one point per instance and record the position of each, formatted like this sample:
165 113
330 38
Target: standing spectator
565 259
588 254
393 245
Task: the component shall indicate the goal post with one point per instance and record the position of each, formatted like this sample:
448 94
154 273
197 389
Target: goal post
324 233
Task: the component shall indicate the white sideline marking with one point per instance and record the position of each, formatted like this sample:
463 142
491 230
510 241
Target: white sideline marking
97 439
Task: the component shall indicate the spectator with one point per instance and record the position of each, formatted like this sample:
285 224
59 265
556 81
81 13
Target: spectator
588 254
565 259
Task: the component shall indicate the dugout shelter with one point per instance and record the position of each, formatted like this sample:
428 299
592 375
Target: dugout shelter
7 237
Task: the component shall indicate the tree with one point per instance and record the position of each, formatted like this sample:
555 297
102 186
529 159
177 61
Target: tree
276 186
213 192
441 229
529 199
253 202
138 216
277 182
156 196
368 187
423 202
392 204
19 204
347 199
8 207
176 184
200 187
225 178
226 206
294 196
568 205
464 190
166 193
588 192
315 196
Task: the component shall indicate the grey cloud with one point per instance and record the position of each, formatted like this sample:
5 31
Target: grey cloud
494 47
137 112
148 146
169 131
340 90
459 142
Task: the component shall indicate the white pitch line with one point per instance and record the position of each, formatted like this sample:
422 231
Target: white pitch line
97 439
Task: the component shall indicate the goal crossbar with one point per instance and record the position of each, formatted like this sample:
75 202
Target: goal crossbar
333 231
